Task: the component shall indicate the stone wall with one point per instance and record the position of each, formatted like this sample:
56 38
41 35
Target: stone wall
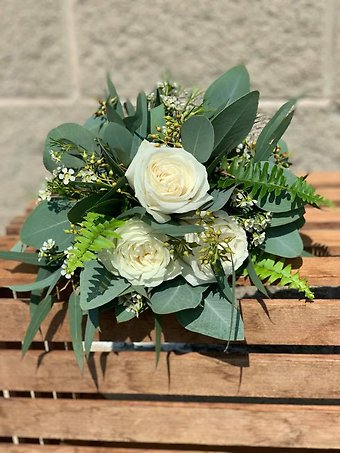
55 53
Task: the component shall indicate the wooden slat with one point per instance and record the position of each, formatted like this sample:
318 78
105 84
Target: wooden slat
320 271
142 448
292 322
325 242
271 321
15 273
322 218
324 179
220 424
225 375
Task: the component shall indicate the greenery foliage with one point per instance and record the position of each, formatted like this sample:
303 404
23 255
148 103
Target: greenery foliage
242 208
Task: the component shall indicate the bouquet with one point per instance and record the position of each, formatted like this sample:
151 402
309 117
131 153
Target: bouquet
162 206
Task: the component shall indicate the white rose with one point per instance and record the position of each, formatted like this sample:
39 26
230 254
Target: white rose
140 256
197 273
167 180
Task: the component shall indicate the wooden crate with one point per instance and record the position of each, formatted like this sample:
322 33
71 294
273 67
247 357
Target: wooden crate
279 390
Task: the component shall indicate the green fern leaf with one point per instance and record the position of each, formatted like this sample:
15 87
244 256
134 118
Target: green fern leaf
306 192
275 271
260 178
96 233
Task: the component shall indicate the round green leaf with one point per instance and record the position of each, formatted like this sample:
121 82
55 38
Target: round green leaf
198 137
284 240
74 133
48 221
119 140
213 318
175 295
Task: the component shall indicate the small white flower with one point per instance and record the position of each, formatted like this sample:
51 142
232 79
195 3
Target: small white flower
87 176
67 175
44 194
64 271
48 245
197 273
55 156
258 239
140 255
167 180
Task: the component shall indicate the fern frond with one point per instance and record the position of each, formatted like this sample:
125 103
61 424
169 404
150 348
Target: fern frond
96 233
306 192
275 271
260 178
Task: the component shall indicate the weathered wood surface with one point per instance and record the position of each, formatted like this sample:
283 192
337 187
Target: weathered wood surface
262 425
141 448
215 374
321 271
267 321
324 179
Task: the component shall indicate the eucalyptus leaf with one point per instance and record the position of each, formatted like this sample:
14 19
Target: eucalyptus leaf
48 221
284 240
198 137
213 318
37 295
98 286
94 124
157 119
75 322
39 284
279 203
220 198
255 278
92 324
135 211
83 138
113 94
38 316
232 125
113 116
229 87
119 140
23 257
222 281
158 337
94 203
273 131
172 228
283 218
175 295
123 314
139 123
129 108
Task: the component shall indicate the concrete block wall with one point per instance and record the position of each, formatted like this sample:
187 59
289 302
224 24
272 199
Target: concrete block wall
54 55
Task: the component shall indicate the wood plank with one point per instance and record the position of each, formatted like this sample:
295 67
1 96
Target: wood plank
332 193
322 218
325 242
324 179
227 375
219 424
14 273
269 321
292 321
142 448
320 271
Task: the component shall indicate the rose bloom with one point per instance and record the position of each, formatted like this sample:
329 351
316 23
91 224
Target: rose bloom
140 255
167 180
197 273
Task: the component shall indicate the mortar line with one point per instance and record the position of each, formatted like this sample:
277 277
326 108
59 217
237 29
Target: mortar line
7 102
329 51
69 14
